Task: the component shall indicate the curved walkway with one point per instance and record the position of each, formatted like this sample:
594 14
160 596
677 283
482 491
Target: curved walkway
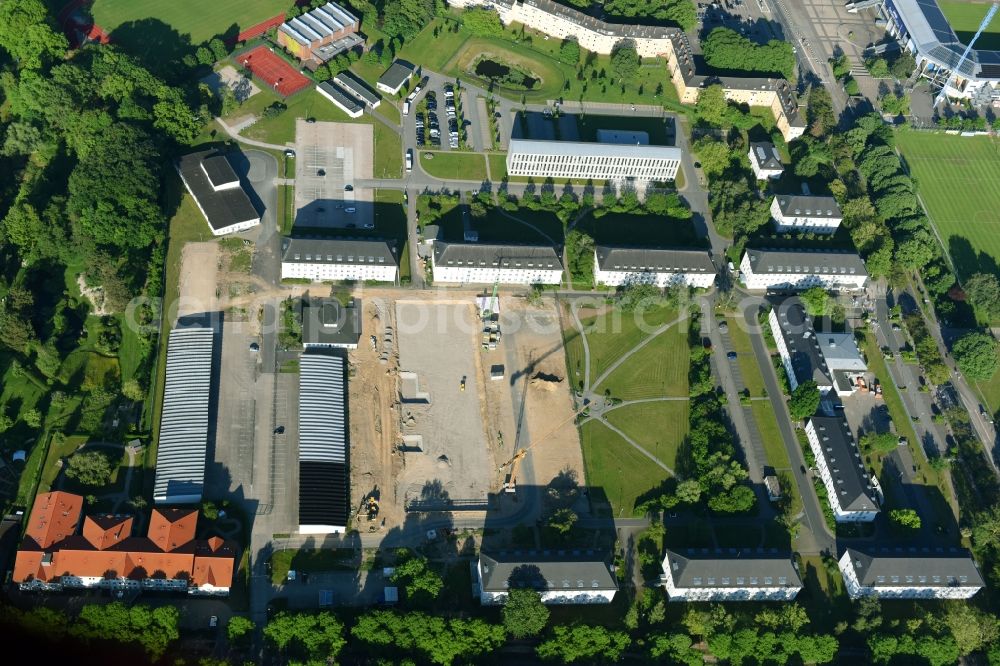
636 445
527 224
250 142
614 366
586 349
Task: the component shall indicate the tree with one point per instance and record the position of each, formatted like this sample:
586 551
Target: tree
689 491
405 18
152 628
727 49
976 355
819 112
311 637
562 520
667 204
625 60
972 628
482 22
906 518
583 642
413 573
90 468
983 291
238 629
569 51
133 390
876 442
816 301
22 138
681 13
637 296
524 614
28 33
218 48
711 108
804 400
738 499
32 417
903 65
440 640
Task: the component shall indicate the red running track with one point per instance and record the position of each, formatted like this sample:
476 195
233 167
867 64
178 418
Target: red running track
274 71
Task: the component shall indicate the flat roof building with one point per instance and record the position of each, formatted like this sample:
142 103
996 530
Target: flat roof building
618 162
570 576
849 488
485 263
183 442
910 573
326 324
615 266
215 187
323 458
819 215
395 77
765 160
341 98
358 88
797 270
729 575
63 550
354 259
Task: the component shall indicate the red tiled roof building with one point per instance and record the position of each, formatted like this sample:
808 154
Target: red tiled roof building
53 556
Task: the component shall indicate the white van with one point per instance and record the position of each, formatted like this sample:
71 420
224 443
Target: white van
409 159
406 108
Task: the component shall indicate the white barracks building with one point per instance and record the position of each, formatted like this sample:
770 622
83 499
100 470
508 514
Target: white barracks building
663 267
483 263
612 161
325 259
849 488
910 573
798 270
729 575
819 215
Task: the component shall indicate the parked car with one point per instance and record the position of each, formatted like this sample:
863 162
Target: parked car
731 355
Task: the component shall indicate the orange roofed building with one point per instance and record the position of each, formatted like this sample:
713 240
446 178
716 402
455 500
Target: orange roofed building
58 553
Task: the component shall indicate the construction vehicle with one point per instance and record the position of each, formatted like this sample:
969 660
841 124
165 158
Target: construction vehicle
369 508
461 386
510 480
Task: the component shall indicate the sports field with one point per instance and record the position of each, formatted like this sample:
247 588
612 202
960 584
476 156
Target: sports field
965 17
957 179
202 20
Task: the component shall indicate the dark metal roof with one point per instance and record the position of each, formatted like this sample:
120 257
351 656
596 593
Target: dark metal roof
345 98
351 251
843 459
794 205
223 208
219 171
915 567
806 262
654 260
326 322
323 493
765 155
354 85
396 75
323 455
504 256
800 339
572 571
731 568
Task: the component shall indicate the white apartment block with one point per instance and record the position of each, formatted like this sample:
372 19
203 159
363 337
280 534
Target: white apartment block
797 270
910 573
482 263
765 160
662 267
559 577
562 22
729 575
840 465
594 161
819 215
323 260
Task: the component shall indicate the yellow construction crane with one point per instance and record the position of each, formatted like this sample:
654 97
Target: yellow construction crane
509 484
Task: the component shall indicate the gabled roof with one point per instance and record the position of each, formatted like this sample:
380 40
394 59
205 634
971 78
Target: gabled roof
571 571
221 208
345 251
54 517
731 568
170 529
799 336
843 459
915 567
105 531
343 97
326 322
765 155
806 262
653 259
793 205
350 82
487 255
396 75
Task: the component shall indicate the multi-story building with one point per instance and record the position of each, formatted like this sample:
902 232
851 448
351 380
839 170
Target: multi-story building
330 259
910 573
562 22
560 577
104 554
618 162
832 360
729 575
797 270
217 191
485 263
765 160
849 488
663 267
921 28
320 34
819 215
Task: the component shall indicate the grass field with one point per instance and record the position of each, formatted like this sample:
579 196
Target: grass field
281 128
616 469
658 369
308 561
200 20
946 165
965 18
454 165
659 427
498 166
388 153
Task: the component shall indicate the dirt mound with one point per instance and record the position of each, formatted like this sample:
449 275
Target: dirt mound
545 381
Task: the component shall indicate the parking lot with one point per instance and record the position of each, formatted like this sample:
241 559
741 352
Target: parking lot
330 159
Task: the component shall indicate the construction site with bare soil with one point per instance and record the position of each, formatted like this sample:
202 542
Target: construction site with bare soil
456 400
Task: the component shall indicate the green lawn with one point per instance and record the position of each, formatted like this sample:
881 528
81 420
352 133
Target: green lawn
615 469
310 561
767 426
990 392
658 427
454 165
658 369
281 129
200 20
388 153
613 333
498 166
944 165
746 358
965 18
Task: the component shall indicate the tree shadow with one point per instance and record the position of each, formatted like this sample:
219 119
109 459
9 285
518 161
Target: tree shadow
158 46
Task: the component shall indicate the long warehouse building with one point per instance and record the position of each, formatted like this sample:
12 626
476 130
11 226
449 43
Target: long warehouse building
323 480
618 162
183 444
